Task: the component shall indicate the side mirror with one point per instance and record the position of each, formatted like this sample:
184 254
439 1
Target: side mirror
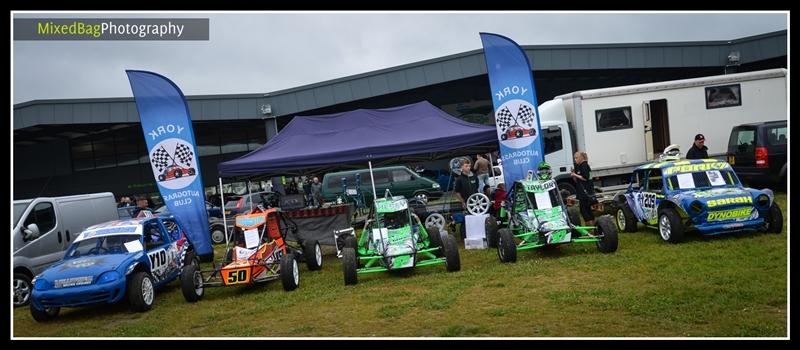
31 232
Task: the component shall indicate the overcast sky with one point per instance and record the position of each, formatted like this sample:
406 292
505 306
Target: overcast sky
259 53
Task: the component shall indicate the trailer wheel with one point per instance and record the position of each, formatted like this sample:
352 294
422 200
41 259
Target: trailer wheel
626 222
609 242
491 231
44 315
290 274
506 247
313 255
775 219
670 226
349 266
452 258
192 283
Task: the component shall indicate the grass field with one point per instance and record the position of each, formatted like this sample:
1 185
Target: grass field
731 286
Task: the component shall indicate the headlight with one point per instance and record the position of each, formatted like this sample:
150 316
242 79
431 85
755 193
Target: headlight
108 277
436 186
696 207
130 269
40 284
762 200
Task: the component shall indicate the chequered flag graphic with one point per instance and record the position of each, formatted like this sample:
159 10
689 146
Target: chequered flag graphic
160 158
184 154
525 115
504 119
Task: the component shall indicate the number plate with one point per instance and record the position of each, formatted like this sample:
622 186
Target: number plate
236 276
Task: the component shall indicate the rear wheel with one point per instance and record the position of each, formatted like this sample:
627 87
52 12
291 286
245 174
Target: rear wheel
192 284
670 226
609 242
313 255
626 222
141 292
350 242
290 276
436 241
491 231
349 266
506 247
775 219
44 315
452 257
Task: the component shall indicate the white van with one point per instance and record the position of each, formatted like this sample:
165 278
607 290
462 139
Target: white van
44 227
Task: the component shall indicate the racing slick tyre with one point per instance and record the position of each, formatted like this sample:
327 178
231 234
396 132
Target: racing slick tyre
44 315
349 266
350 242
452 259
290 274
574 216
506 248
491 231
161 177
313 255
774 219
503 137
178 173
518 133
609 242
191 171
436 241
626 222
217 234
141 292
22 289
670 226
192 283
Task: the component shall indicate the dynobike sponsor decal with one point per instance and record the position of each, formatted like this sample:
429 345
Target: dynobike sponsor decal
534 186
695 168
737 214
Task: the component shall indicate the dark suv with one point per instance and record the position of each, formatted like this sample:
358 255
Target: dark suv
757 152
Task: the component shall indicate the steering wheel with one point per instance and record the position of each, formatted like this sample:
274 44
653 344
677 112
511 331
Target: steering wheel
116 249
96 250
478 204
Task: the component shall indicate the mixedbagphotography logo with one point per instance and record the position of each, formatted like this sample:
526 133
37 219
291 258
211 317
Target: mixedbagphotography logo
111 29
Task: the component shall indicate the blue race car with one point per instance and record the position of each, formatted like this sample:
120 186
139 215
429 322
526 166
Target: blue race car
702 195
109 261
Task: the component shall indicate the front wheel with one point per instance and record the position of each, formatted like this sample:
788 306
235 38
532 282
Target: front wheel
44 315
313 255
141 292
670 226
350 266
491 231
609 242
290 274
192 283
775 219
506 247
22 289
452 258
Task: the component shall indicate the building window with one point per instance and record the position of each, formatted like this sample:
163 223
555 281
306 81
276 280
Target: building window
614 119
723 96
82 156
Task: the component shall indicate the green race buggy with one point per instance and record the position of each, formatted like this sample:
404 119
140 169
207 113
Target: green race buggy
395 239
537 217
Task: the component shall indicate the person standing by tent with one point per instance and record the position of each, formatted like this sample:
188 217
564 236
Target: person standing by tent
316 192
482 170
466 183
582 174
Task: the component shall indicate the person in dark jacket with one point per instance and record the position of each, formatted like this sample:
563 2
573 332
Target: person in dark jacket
699 149
582 175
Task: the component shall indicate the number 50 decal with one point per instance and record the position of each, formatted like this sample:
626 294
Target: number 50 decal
237 276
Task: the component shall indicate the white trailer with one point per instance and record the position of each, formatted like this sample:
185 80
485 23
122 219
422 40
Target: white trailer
623 127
